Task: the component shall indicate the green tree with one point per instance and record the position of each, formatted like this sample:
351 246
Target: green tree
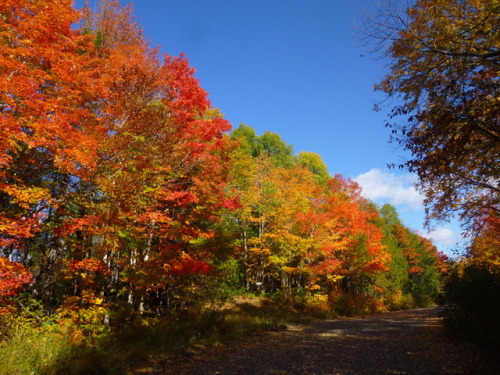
425 276
250 142
415 269
274 147
268 144
313 162
395 280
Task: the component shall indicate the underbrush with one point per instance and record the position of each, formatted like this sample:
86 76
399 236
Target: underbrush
50 349
471 305
61 347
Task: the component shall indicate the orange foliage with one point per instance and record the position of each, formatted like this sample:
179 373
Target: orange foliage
13 278
485 247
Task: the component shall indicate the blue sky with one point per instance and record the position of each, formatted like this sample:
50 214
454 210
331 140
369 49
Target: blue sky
294 67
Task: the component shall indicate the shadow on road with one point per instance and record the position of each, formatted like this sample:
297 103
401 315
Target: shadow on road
410 342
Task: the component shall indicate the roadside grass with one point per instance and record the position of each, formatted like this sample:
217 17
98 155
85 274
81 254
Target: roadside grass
56 349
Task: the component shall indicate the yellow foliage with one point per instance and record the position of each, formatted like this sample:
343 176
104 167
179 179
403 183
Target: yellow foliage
319 302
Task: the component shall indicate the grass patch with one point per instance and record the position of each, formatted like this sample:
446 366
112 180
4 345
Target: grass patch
56 349
48 351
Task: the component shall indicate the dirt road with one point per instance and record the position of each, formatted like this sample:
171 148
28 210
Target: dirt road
405 342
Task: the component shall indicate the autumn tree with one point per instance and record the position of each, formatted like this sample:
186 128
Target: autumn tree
13 278
485 247
254 183
113 162
292 249
162 167
48 143
443 60
364 254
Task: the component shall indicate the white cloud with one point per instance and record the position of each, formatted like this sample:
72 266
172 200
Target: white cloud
384 187
445 236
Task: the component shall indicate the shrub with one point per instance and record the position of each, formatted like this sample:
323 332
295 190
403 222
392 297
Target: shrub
471 304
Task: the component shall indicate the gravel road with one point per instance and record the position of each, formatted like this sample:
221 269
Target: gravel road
403 342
